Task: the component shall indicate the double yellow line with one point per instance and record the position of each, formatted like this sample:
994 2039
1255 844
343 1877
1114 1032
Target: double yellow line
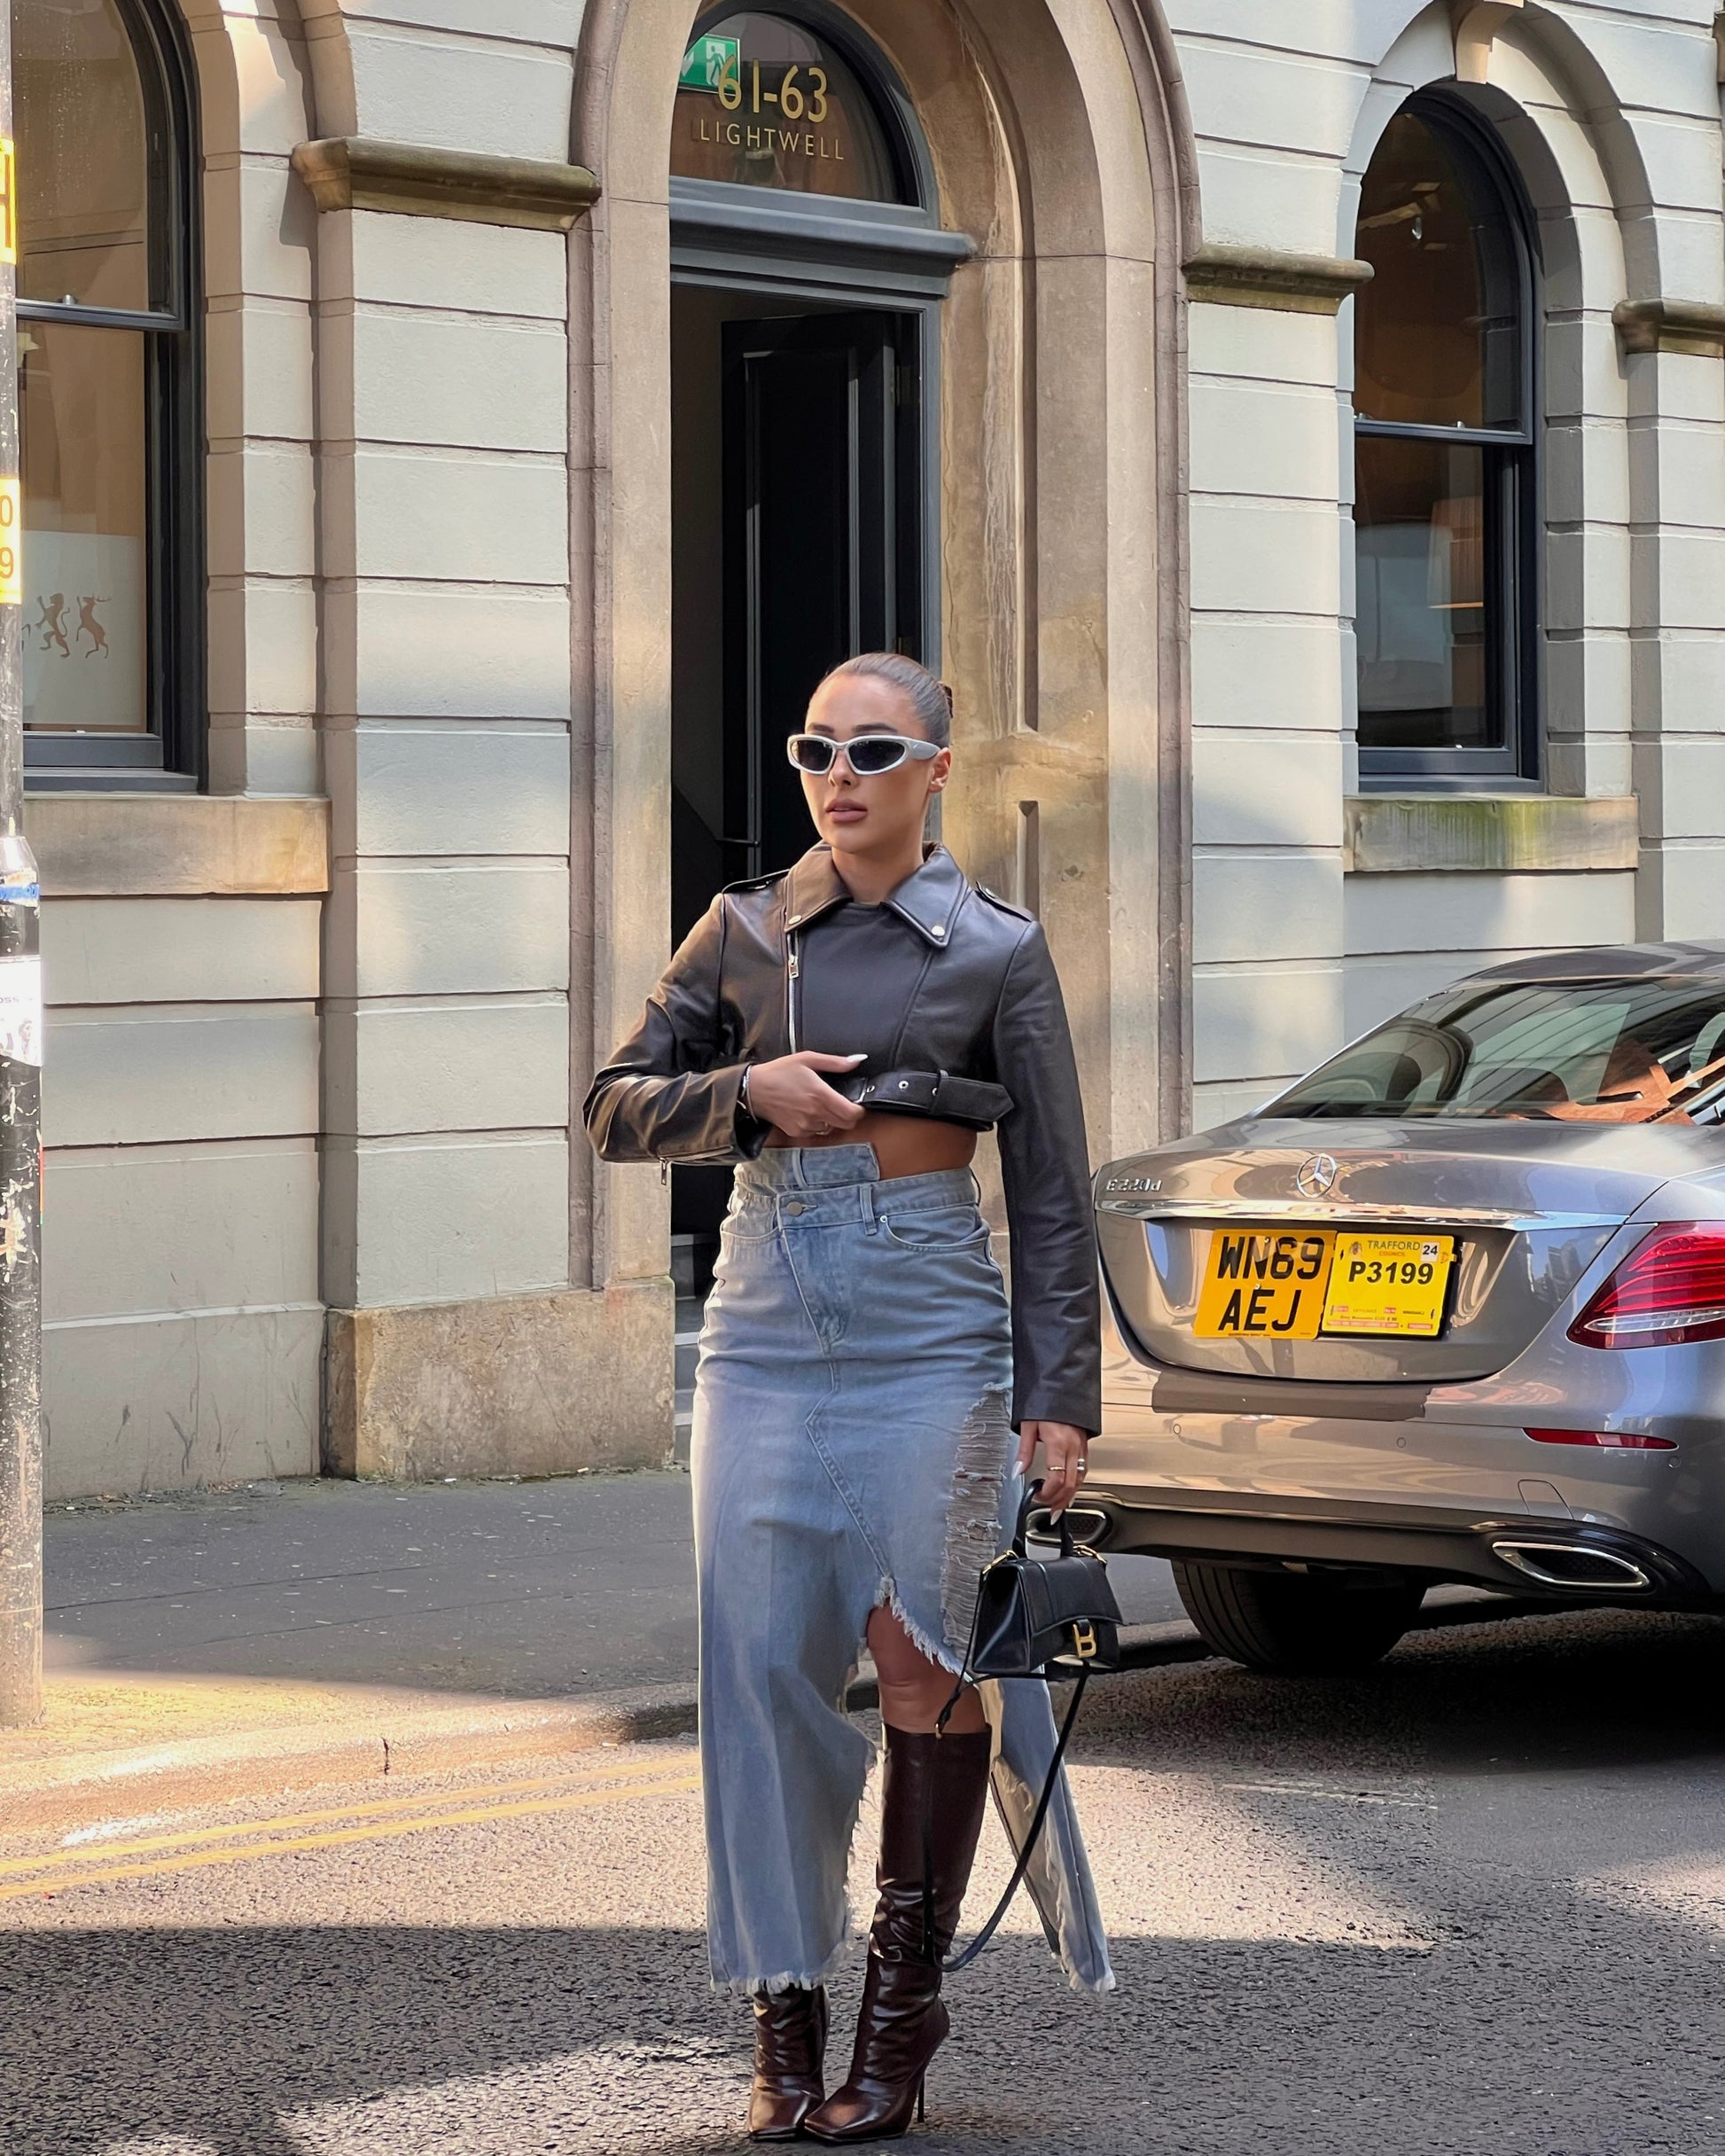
391 1818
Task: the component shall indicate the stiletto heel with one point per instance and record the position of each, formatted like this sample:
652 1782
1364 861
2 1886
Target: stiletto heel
921 2112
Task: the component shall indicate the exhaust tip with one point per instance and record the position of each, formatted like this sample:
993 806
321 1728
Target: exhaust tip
1576 1566
1088 1524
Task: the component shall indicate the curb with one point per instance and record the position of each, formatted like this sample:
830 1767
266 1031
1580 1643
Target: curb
83 1789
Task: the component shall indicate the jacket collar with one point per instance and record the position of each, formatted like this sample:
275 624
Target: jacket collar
929 898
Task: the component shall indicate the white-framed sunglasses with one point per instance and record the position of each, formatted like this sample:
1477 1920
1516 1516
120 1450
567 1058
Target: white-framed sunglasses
867 754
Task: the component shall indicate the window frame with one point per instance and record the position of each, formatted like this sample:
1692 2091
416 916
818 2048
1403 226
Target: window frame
171 753
1514 476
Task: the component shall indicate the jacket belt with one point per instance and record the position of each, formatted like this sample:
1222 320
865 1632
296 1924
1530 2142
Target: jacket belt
972 1102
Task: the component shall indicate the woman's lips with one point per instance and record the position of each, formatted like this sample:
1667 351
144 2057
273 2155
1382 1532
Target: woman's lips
847 812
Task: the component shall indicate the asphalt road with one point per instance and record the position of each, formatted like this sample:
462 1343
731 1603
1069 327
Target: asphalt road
532 1590
1473 1902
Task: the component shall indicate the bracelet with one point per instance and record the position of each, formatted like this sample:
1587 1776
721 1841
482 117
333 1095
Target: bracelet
743 1092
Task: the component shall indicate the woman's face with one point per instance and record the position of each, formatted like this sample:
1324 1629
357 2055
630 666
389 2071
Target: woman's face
880 815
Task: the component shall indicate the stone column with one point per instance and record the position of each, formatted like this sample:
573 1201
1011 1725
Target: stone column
1671 353
457 1343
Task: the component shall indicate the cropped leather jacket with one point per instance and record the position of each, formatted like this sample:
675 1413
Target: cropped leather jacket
953 995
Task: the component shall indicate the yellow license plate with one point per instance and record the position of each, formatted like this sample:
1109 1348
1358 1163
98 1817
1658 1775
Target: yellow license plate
1388 1284
1264 1284
1292 1284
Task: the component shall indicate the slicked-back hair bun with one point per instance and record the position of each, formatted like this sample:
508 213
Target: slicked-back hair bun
929 697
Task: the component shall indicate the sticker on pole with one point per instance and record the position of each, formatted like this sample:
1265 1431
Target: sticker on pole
8 199
11 552
20 1010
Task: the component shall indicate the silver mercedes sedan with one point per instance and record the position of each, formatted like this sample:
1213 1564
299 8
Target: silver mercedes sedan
1451 1308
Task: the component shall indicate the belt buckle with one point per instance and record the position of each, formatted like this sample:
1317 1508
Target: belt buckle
1084 1641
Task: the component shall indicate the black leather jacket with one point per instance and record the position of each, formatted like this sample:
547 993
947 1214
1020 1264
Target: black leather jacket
962 1020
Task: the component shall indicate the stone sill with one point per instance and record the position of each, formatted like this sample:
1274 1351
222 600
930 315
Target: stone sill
1389 834
179 845
413 180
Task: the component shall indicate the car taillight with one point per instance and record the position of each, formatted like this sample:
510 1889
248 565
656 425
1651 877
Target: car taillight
1612 1440
1669 1289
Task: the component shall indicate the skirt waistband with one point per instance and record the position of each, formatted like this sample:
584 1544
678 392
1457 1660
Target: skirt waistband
845 1182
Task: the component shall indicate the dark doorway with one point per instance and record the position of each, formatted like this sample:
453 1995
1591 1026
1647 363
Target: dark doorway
798 521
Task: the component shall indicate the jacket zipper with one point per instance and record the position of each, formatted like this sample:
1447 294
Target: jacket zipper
792 972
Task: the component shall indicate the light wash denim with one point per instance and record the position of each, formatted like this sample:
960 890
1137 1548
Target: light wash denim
852 1448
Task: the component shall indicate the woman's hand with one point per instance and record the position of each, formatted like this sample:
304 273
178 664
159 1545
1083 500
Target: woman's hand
1064 1449
788 1093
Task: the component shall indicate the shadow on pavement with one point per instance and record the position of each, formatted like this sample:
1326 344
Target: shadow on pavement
293 2043
1575 1693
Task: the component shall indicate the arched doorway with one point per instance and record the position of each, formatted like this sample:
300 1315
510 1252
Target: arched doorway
807 273
1041 191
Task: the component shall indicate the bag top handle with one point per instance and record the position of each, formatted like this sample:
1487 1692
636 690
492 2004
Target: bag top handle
1063 1524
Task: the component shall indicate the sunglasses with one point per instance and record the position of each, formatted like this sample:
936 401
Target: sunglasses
868 755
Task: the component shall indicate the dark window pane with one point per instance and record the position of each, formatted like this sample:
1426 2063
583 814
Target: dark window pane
83 156
1426 560
766 103
1437 331
86 618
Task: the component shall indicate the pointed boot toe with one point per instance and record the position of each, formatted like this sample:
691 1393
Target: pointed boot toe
903 2025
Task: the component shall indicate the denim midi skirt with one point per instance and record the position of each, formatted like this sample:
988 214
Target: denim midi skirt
853 1448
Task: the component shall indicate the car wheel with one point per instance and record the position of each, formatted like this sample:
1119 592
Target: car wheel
1296 1624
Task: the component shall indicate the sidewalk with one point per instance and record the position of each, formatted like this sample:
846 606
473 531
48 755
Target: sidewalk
278 1634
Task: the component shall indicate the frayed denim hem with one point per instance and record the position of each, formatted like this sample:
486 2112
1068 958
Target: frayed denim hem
793 1980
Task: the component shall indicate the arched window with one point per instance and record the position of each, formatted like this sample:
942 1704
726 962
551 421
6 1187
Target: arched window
109 423
1444 513
766 100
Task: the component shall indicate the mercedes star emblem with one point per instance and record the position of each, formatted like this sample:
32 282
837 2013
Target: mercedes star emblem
1317 1177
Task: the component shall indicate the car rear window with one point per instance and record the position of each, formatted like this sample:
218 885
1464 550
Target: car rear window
1600 1051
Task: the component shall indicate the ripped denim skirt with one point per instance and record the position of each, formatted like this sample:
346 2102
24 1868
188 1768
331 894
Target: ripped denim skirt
852 1447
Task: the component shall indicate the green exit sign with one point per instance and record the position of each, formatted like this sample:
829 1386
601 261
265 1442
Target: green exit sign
709 60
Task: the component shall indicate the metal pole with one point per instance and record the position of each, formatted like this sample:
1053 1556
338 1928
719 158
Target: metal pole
20 1039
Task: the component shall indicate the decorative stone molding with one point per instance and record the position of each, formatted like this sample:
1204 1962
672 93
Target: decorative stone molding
1265 277
1477 23
1695 326
179 845
1388 834
351 172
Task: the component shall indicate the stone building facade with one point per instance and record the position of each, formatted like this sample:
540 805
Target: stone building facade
1297 434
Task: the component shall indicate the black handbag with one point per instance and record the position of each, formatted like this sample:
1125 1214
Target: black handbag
1034 1614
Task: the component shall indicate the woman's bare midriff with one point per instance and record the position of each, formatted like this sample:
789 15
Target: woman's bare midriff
904 1144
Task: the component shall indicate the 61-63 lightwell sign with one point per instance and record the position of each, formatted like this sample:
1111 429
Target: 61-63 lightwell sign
766 103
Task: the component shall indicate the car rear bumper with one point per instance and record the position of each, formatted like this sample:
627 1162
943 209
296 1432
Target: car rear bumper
1565 1557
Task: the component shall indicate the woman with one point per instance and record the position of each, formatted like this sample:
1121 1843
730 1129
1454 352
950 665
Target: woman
842 1031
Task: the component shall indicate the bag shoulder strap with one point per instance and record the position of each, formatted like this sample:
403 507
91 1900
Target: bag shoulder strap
963 1960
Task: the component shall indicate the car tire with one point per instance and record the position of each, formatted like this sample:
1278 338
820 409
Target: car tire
1296 1624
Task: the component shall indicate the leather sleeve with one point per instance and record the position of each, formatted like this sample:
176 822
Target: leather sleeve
666 1093
1057 1354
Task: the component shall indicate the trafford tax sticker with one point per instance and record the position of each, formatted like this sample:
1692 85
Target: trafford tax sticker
1389 1284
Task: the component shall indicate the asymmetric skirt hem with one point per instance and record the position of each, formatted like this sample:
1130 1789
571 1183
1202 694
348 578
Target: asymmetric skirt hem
853 1450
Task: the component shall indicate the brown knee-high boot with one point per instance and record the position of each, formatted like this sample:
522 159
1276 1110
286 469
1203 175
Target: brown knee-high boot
932 1797
789 2048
